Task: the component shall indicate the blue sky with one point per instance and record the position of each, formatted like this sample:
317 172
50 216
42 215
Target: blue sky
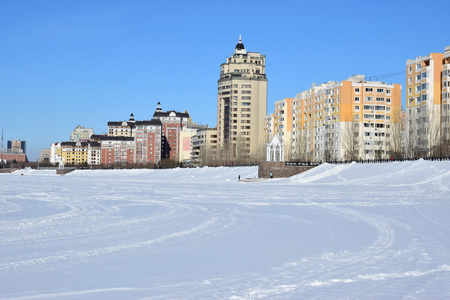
64 63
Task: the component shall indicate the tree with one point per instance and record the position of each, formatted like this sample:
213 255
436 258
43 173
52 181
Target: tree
350 138
394 137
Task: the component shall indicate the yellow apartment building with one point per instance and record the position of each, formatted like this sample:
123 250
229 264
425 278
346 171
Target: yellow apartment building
78 153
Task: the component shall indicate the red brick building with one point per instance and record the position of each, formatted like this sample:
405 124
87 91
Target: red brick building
172 123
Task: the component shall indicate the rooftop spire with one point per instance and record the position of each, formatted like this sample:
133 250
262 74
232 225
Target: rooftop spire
240 47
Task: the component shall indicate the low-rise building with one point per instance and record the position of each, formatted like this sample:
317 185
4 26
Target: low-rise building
80 153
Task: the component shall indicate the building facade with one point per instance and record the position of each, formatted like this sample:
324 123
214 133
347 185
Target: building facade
81 153
44 156
122 128
148 141
116 150
427 104
81 134
205 146
352 119
242 103
172 123
17 146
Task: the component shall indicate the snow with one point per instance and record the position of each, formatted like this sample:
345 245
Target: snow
354 231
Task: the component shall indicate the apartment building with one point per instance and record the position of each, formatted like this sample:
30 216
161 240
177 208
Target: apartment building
78 153
81 134
269 127
426 90
122 128
116 150
351 119
172 123
55 153
148 139
205 146
242 102
446 100
283 119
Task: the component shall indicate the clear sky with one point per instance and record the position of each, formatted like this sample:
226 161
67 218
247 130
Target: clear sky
65 63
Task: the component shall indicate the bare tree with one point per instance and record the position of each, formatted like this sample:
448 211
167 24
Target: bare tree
350 138
394 136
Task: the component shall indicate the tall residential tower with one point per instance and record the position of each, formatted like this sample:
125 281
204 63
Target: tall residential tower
242 103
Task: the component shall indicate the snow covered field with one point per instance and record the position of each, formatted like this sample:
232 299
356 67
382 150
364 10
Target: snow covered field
356 231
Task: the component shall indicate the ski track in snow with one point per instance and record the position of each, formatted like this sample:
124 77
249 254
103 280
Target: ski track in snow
371 231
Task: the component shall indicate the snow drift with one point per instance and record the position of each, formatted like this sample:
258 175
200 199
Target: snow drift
337 231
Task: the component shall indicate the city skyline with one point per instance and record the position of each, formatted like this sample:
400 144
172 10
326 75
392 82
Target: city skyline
83 63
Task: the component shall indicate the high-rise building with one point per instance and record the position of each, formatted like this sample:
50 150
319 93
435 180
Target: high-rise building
148 141
351 119
427 103
242 103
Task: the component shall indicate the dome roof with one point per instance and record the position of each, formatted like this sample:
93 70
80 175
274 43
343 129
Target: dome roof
240 46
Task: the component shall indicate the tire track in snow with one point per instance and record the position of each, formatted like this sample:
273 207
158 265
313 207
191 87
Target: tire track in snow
69 255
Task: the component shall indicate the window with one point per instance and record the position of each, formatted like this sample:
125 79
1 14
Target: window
369 98
357 90
356 99
369 90
388 91
380 99
418 66
410 69
380 90
356 107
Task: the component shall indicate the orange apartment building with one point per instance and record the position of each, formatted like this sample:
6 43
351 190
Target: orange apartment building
352 119
427 103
